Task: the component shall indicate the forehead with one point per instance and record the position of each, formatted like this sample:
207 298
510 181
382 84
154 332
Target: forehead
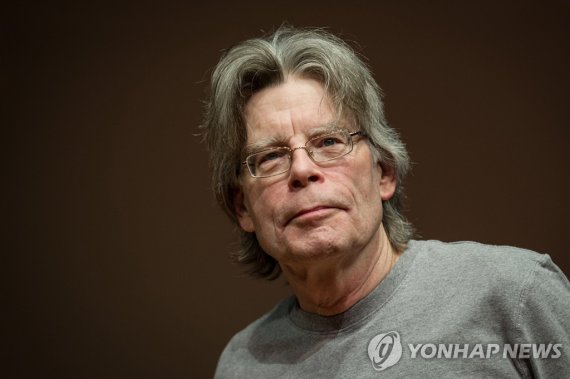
288 109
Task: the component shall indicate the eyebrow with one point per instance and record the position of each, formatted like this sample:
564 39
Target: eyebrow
280 141
265 143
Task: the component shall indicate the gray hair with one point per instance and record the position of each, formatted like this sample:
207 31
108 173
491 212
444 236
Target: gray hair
258 63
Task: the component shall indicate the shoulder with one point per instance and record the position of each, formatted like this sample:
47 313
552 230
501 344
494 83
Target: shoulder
520 283
263 332
520 290
475 250
481 260
505 274
272 320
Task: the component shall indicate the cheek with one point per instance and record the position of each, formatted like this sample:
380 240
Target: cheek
374 195
264 215
367 194
366 183
262 206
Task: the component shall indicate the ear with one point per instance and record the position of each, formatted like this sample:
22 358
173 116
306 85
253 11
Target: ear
387 182
242 212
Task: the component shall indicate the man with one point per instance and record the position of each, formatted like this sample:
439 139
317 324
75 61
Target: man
304 161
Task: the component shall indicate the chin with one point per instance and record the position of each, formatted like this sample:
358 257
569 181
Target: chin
313 248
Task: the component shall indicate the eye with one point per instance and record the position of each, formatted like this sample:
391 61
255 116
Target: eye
269 156
328 141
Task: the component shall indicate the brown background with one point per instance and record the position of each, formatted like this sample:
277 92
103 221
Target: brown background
115 259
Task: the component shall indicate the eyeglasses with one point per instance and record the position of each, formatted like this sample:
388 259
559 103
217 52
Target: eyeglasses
277 160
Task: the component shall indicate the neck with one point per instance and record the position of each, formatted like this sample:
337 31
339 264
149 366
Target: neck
329 288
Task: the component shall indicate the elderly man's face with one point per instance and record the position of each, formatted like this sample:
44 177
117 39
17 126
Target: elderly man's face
314 210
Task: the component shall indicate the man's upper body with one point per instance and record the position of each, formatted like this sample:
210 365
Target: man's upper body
444 311
305 163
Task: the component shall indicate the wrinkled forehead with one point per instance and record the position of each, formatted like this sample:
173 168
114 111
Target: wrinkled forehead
299 106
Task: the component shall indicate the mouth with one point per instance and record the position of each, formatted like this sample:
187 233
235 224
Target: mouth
309 212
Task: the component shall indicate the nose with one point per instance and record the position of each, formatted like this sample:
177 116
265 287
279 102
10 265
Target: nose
303 170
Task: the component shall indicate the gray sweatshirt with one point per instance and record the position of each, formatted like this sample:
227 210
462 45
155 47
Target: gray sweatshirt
446 310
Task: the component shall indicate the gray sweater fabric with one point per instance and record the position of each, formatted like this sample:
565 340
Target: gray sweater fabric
445 310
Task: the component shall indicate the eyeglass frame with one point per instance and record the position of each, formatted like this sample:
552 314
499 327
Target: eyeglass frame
309 152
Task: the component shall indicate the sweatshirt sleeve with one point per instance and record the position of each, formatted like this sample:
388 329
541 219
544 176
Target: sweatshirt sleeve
543 320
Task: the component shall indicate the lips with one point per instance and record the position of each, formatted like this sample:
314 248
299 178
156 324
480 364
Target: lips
305 211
